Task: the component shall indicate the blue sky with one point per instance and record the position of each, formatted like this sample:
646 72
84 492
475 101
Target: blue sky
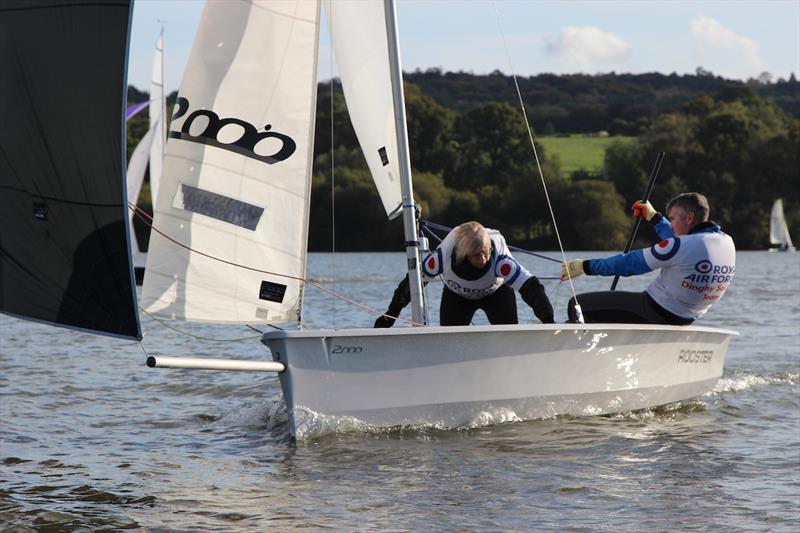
735 38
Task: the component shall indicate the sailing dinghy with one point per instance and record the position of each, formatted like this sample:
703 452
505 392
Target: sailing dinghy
231 224
236 182
779 237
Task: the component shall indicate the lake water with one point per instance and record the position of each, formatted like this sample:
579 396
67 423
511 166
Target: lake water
92 440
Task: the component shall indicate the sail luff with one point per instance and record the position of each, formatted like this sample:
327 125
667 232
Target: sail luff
312 120
137 166
404 159
157 114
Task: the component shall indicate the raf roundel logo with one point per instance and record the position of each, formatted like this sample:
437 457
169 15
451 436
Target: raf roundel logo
507 268
666 249
433 264
704 266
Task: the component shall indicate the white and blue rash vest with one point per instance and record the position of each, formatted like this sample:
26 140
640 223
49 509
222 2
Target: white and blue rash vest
503 268
696 269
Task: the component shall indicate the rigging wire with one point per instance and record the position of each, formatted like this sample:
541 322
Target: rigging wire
147 219
333 173
533 146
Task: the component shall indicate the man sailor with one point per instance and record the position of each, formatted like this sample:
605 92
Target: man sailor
696 261
478 273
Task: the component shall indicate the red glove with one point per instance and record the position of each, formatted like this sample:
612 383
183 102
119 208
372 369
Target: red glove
643 209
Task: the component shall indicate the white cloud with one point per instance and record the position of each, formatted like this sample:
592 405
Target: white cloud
723 51
589 49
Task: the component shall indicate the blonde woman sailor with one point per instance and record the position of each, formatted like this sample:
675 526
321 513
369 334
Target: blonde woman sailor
478 272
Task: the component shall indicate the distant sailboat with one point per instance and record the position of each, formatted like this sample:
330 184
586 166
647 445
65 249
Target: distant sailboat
149 151
779 237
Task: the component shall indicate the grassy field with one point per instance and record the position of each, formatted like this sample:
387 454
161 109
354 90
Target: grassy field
579 151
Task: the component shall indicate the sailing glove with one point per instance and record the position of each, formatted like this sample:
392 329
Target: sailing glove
400 299
533 294
643 209
572 269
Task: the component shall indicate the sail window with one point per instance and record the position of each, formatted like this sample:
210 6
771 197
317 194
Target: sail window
218 206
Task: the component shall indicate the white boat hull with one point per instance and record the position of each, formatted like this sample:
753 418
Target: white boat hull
455 376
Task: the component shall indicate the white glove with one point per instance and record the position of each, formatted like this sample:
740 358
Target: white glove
572 269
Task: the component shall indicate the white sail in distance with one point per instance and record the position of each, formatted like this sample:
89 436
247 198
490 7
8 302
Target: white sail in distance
157 112
137 166
358 36
237 170
778 229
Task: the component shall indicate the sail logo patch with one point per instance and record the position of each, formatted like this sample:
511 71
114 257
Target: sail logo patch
282 145
271 292
666 249
40 211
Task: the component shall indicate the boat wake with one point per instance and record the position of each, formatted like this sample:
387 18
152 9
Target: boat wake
743 380
311 424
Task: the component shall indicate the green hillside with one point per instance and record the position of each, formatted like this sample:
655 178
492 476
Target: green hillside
579 152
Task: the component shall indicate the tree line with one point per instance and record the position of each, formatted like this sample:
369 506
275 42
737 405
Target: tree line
473 161
621 104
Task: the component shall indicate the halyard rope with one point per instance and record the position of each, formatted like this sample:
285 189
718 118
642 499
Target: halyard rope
533 145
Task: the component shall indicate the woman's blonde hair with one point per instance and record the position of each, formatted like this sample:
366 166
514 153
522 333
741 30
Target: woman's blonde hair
471 238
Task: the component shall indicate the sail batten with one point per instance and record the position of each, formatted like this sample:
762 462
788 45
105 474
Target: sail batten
237 169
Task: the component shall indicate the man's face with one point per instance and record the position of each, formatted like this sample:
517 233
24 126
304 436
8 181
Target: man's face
681 220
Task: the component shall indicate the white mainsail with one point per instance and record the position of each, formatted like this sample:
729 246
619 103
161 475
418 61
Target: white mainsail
157 112
778 230
237 169
358 35
137 166
150 149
